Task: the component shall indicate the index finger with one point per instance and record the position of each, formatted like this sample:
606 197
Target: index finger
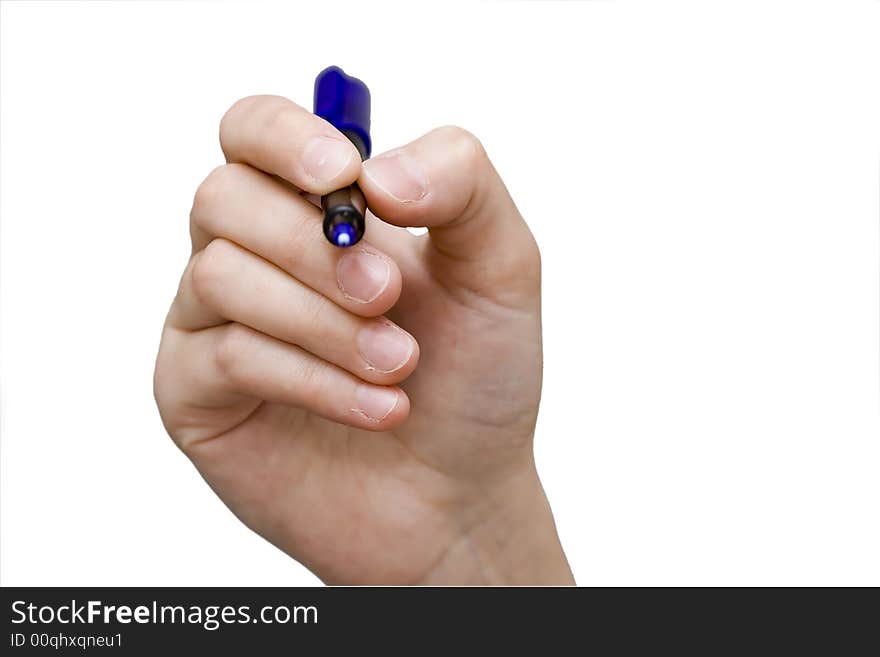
278 136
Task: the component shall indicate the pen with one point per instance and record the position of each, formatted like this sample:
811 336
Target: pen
344 102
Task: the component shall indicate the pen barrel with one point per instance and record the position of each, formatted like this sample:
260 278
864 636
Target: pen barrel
346 206
350 196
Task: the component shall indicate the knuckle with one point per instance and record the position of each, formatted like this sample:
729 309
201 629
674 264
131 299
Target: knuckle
531 254
519 272
468 147
297 239
469 157
275 118
240 108
256 119
313 312
209 190
308 377
209 270
213 193
229 350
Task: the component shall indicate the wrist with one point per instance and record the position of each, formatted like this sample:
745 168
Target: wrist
507 537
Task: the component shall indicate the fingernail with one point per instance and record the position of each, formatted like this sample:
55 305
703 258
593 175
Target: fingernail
385 347
399 175
375 403
324 158
362 276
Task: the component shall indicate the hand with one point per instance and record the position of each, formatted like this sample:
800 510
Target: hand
368 410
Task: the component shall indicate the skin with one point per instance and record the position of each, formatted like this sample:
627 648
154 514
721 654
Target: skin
414 465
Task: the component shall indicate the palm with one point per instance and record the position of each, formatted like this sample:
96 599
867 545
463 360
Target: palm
364 506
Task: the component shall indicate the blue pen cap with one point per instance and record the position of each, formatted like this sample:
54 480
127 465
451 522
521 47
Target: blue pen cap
344 102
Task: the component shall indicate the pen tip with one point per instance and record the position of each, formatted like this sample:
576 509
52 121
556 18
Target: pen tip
344 234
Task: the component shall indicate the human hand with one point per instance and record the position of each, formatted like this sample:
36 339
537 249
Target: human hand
368 410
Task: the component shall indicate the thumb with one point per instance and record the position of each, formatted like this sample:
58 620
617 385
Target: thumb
478 240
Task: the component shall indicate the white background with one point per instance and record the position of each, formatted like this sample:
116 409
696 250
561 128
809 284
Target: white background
702 179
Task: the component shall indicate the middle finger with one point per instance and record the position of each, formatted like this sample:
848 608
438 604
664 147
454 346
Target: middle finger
269 218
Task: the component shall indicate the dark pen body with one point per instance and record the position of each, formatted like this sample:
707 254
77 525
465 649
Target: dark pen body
345 210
